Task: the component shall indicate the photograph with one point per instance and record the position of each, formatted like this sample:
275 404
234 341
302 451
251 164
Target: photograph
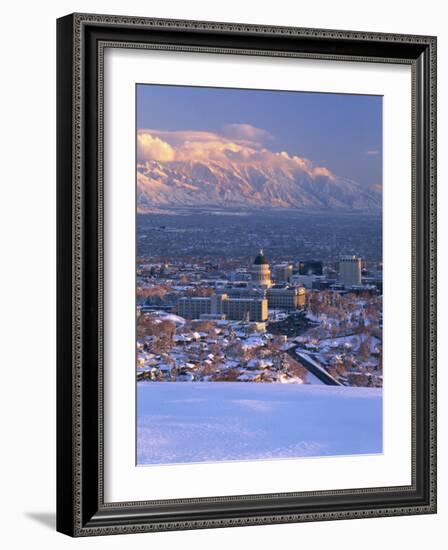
259 274
246 274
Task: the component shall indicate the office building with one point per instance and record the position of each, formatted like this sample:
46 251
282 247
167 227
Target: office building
193 307
282 273
350 271
308 281
311 267
286 297
218 305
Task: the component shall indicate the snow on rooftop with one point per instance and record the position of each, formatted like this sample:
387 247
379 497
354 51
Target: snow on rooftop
221 421
174 318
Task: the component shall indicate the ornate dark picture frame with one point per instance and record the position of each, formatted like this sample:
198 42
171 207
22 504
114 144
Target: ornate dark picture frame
81 509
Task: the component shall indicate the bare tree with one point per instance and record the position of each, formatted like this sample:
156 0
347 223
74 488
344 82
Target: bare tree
200 291
293 368
229 375
364 348
158 291
204 326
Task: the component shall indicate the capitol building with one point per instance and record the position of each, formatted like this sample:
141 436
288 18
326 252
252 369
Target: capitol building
246 300
260 272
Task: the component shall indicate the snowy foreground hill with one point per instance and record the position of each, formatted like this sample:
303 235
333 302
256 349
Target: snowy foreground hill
206 422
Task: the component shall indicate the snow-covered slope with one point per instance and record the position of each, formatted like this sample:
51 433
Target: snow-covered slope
208 422
284 184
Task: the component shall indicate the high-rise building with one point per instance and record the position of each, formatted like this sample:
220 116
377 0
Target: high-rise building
350 271
311 267
261 274
282 272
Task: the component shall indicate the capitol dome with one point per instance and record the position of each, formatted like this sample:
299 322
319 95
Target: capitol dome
260 259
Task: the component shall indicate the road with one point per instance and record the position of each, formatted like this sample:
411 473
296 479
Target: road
313 367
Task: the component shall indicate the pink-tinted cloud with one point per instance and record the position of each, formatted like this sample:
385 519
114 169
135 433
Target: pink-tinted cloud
178 137
186 145
246 132
150 147
191 146
322 171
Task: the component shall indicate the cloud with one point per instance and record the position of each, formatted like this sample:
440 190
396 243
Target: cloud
237 144
372 152
186 145
150 147
322 171
178 137
246 132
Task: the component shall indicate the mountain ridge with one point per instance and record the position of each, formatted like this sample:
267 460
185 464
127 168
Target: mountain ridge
236 184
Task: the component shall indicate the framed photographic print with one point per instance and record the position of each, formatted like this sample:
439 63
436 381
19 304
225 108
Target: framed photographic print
246 274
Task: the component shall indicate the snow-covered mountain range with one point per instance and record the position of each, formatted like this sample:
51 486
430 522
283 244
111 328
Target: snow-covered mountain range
197 168
217 183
